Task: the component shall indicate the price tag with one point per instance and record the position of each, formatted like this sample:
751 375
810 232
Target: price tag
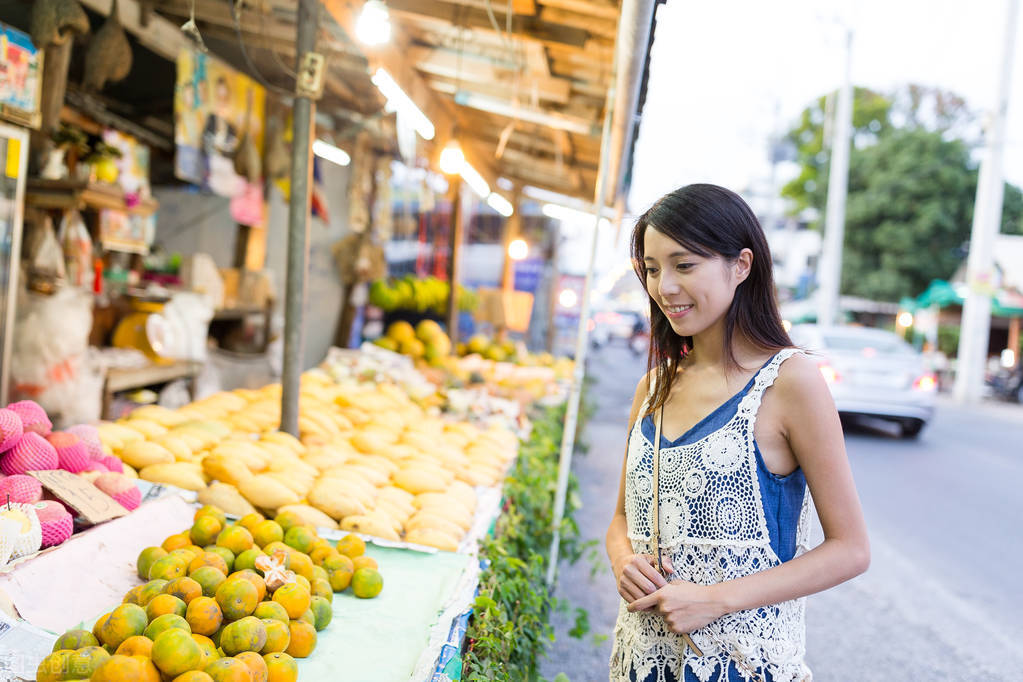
93 504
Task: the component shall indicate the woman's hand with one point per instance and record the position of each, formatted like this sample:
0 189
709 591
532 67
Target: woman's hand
684 606
637 575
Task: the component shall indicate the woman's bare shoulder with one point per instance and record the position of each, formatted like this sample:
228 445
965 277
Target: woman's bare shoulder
800 382
643 390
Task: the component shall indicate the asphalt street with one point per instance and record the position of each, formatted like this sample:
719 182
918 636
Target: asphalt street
942 598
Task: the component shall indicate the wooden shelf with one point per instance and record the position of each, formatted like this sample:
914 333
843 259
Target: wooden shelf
238 313
127 379
67 194
150 375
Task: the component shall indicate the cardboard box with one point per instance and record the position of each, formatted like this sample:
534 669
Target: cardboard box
232 286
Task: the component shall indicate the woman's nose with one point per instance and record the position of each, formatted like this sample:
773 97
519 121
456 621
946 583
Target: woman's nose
669 285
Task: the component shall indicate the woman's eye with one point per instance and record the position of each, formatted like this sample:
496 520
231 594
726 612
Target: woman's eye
684 266
650 272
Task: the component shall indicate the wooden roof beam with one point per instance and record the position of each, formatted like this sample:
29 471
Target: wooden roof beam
394 59
465 68
602 9
524 28
594 25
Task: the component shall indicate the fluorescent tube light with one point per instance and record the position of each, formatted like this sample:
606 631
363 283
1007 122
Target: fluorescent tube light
500 204
397 100
329 152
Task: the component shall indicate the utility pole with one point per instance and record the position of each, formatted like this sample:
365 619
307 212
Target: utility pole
987 219
830 280
303 112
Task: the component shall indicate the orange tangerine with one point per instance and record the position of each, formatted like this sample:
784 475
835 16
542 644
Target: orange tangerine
303 639
228 670
251 521
185 589
237 598
294 598
235 538
127 620
209 579
138 645
254 578
204 616
351 546
278 635
280 667
147 558
204 530
364 561
175 652
367 583
163 604
176 541
210 510
256 665
266 532
271 609
208 559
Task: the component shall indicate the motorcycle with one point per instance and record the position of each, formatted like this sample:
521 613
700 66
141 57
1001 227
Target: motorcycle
1007 384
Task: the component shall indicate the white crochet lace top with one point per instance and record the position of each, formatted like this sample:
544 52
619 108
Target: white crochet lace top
714 529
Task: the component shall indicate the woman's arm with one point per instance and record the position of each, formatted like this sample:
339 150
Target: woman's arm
634 574
814 433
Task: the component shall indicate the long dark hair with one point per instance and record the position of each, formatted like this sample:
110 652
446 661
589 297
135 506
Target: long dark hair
710 221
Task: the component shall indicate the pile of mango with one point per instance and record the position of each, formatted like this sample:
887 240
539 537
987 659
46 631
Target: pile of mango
368 459
223 602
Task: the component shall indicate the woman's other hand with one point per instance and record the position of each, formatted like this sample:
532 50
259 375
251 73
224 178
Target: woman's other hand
684 606
637 575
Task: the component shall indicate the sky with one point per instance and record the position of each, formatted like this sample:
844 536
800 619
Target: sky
726 76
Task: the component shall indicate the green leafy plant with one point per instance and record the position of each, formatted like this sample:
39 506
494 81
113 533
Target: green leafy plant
101 151
69 137
511 627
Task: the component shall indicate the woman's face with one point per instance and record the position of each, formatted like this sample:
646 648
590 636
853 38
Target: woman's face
692 291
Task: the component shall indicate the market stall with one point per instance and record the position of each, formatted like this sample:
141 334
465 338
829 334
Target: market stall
420 486
434 449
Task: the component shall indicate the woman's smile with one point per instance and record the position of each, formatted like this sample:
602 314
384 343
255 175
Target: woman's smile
677 312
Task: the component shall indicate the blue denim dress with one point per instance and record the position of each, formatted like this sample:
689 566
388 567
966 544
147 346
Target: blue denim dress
782 497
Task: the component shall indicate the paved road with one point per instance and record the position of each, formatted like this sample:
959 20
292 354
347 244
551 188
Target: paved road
942 599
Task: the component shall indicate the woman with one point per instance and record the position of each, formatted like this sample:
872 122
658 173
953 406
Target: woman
746 425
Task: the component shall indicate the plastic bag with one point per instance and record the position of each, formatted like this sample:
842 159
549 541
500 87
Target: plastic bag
188 318
44 262
77 245
50 360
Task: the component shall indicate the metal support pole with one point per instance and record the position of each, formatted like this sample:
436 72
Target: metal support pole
303 111
631 50
572 406
974 334
455 254
552 287
838 185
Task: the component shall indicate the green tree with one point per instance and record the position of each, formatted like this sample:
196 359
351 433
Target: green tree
912 186
909 212
809 137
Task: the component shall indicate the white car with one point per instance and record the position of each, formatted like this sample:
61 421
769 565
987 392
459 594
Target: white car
873 373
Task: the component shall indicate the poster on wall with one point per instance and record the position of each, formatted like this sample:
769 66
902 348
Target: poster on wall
20 77
126 231
217 109
133 166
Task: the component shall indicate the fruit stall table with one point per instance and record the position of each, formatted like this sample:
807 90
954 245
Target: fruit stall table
395 636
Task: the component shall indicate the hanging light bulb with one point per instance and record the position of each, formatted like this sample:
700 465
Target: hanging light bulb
451 158
373 27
